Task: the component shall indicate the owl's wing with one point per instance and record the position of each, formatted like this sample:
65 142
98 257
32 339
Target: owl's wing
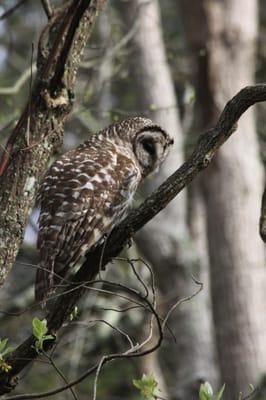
69 228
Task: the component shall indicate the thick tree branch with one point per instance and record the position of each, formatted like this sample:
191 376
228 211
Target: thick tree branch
42 123
206 148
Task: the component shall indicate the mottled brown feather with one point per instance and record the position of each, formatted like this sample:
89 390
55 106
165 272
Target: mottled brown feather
85 194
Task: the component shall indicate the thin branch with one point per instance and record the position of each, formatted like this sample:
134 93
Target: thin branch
131 352
112 52
115 328
10 11
9 90
253 394
60 373
181 301
48 8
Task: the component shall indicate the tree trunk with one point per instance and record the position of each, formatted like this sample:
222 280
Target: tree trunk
40 128
165 241
222 36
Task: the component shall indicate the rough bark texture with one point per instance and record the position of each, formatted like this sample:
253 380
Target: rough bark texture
40 129
165 241
222 36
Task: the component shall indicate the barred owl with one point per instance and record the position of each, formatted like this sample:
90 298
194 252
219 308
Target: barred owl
87 191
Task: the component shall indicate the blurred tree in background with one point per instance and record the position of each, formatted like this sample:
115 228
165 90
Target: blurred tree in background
177 62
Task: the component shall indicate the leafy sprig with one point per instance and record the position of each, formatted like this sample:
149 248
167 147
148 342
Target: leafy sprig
146 385
39 331
4 350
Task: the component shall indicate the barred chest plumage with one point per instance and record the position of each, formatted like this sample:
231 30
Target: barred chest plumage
87 191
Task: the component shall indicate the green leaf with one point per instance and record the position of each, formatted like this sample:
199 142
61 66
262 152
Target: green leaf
6 351
36 328
3 349
39 328
3 343
74 313
205 392
147 385
251 387
218 395
48 337
137 383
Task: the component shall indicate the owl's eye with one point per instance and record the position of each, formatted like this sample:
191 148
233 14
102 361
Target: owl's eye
149 146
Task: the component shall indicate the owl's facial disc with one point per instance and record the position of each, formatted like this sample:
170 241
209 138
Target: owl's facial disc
151 148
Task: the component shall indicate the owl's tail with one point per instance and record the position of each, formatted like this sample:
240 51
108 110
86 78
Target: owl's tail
44 283
48 279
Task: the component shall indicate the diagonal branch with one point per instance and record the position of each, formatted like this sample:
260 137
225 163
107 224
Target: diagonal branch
10 11
14 89
206 148
48 8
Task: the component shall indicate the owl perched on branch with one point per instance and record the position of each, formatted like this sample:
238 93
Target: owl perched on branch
86 193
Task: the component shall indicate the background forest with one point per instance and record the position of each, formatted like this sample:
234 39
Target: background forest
178 63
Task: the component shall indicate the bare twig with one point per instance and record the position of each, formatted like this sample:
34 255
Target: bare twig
9 90
48 8
111 52
253 394
10 11
181 301
133 351
115 328
60 373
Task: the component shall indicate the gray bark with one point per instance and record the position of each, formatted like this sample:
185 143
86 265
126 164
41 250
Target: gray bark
222 36
165 241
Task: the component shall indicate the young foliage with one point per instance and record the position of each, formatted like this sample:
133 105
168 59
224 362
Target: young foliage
74 313
220 393
39 330
4 350
146 385
206 392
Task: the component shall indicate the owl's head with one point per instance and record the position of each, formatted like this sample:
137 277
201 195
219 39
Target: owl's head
151 146
149 142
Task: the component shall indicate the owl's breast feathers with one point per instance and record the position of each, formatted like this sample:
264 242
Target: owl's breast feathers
83 196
